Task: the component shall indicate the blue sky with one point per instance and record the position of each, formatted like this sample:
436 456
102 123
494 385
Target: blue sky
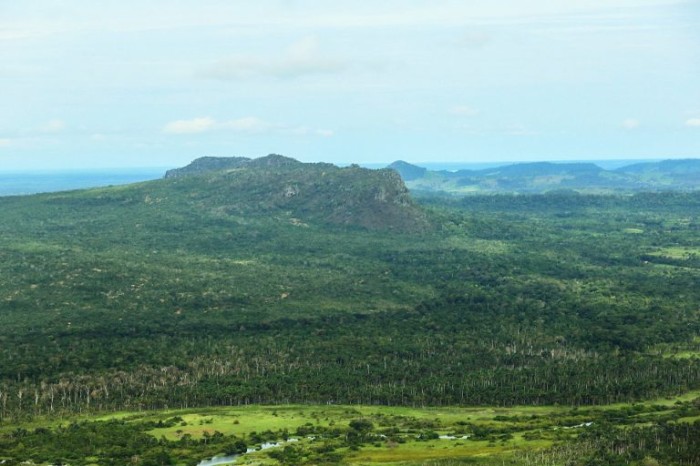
131 83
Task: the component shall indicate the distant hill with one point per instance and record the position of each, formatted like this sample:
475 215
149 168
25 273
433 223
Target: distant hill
676 166
542 177
684 172
306 192
407 171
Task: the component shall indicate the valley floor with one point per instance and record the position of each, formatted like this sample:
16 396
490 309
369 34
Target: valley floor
661 431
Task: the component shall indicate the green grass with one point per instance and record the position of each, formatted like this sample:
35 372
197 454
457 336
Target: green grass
419 451
243 421
677 252
666 401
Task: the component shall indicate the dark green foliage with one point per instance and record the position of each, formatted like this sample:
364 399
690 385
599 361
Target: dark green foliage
605 445
110 443
362 426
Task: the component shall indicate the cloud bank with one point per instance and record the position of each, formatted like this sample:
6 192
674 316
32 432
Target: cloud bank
193 126
300 59
631 123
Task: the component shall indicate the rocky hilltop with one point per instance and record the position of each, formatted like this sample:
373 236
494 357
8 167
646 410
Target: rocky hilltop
206 165
306 192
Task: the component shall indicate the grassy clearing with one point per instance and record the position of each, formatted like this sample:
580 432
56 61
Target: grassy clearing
408 453
688 419
244 420
685 354
419 451
668 401
677 252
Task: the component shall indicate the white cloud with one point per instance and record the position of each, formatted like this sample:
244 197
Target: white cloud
193 126
520 130
464 111
306 131
693 123
300 59
54 126
326 133
473 39
22 20
247 125
630 123
5 142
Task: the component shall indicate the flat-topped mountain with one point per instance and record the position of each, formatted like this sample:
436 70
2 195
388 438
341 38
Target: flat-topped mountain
540 177
317 192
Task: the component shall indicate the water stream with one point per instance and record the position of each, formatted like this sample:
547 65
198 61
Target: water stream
230 459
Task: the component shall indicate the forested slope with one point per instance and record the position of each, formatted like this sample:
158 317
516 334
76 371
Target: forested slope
222 289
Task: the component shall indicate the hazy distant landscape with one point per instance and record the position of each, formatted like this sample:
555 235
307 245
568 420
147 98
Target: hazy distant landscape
542 177
31 182
447 178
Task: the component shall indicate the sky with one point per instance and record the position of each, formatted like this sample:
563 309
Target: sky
155 83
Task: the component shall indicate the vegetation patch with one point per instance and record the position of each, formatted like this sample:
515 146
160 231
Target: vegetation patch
194 297
307 434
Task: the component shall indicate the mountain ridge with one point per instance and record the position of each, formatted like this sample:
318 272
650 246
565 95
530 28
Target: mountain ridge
542 177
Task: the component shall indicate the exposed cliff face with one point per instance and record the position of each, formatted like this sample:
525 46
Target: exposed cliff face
311 192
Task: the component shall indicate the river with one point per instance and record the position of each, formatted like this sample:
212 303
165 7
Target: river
230 459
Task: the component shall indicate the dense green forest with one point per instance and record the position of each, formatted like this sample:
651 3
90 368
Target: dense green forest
319 285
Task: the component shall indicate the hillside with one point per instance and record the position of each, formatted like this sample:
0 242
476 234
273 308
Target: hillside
277 283
541 177
681 173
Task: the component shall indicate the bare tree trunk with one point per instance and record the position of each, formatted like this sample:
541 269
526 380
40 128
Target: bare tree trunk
20 394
